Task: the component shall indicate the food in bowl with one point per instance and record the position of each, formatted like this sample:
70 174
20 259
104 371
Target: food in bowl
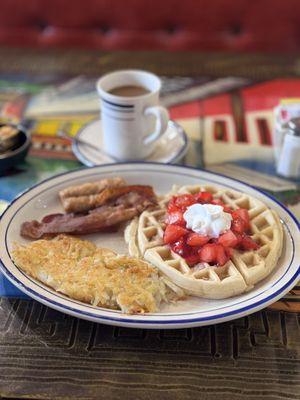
9 137
14 145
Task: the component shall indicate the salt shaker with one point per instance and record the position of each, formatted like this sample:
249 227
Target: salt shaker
289 158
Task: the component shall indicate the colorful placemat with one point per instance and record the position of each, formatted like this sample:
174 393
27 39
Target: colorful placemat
229 122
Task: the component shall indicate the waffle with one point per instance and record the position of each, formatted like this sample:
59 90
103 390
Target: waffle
147 231
245 268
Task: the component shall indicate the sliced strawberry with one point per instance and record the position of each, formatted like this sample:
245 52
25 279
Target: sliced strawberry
184 201
208 253
228 239
175 218
222 257
227 209
218 202
243 214
179 247
203 197
192 258
173 233
228 251
171 205
214 253
247 243
194 239
239 225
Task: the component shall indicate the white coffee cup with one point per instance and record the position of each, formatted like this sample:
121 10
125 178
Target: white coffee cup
131 125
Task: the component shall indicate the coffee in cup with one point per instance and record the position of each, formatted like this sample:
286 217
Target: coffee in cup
132 119
129 91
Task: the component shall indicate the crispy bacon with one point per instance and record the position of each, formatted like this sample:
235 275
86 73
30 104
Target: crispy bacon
100 219
83 224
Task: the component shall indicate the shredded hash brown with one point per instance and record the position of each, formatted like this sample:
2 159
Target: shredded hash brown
99 276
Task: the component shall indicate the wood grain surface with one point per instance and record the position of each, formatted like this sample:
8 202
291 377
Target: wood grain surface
48 355
45 354
254 66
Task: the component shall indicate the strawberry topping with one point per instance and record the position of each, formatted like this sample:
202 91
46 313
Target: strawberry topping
195 248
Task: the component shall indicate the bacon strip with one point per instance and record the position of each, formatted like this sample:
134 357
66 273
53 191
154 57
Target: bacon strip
84 224
125 208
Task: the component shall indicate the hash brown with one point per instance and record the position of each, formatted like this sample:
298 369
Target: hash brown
99 276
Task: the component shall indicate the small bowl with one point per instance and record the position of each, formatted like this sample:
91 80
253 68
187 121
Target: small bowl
12 157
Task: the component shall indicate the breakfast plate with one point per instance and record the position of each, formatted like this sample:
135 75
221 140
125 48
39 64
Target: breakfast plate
193 311
169 148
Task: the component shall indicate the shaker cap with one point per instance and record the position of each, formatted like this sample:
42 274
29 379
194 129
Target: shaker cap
294 127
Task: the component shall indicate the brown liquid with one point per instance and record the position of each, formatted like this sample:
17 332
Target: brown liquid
129 91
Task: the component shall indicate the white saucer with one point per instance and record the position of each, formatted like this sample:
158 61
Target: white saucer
170 148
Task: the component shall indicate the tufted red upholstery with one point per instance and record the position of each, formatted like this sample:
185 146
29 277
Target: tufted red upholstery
229 25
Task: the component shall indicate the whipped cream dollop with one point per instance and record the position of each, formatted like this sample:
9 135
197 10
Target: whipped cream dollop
207 219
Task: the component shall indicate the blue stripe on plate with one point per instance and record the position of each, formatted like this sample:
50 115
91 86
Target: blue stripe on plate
43 287
265 301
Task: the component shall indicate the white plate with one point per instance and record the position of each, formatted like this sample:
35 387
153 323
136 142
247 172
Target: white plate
42 199
170 148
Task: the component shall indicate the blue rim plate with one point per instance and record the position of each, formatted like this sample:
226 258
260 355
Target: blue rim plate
169 149
42 199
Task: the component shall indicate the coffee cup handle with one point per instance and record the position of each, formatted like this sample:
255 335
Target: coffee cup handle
162 118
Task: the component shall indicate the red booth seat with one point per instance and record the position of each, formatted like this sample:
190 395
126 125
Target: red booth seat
227 25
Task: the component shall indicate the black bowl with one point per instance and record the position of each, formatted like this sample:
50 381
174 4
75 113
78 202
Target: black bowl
13 157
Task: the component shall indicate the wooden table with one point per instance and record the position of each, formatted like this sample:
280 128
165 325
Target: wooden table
48 355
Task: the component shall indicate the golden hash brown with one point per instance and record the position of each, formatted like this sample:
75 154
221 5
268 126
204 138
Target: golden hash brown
92 275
